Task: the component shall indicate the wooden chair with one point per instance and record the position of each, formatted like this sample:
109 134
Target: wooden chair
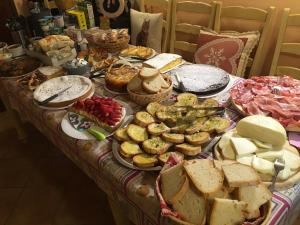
189 7
285 47
251 14
161 4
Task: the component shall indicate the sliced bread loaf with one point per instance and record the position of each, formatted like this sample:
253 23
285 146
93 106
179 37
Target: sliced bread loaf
238 175
147 72
226 211
254 196
190 205
205 177
172 180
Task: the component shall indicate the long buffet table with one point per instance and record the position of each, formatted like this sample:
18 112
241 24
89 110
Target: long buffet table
119 183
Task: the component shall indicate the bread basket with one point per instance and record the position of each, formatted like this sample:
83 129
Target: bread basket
113 46
144 100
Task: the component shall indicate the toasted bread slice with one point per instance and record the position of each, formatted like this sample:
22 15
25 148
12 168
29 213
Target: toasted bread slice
180 129
227 211
167 114
196 126
137 133
129 149
144 160
254 196
186 99
158 128
172 180
147 72
188 149
173 138
190 205
205 177
143 119
210 102
164 157
155 146
238 175
153 107
197 138
217 124
121 134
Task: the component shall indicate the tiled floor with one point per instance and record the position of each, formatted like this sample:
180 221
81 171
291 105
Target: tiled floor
40 186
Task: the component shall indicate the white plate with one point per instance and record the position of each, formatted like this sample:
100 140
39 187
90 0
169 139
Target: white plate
128 164
69 130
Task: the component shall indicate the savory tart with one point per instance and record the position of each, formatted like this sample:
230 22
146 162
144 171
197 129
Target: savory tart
105 112
117 78
137 51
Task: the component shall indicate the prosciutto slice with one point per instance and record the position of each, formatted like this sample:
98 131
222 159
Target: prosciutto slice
257 96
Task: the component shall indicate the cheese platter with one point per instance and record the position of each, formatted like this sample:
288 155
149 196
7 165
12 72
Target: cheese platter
258 141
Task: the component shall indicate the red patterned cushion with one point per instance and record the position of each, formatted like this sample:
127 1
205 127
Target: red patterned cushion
229 51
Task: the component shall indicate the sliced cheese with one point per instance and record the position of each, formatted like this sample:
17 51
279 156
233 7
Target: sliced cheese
243 146
263 166
270 155
291 160
246 160
261 144
285 173
262 128
226 138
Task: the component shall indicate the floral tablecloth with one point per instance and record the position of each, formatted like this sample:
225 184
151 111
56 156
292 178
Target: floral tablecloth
119 183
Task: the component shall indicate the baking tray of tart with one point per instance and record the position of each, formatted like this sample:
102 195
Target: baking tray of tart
183 127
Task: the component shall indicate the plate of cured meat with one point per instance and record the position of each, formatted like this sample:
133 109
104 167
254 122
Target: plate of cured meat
278 97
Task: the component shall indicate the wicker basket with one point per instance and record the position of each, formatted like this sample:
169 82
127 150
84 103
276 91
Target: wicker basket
146 99
115 46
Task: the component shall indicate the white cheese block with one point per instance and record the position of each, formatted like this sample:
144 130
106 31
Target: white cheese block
243 146
262 128
291 160
270 155
263 166
261 144
246 160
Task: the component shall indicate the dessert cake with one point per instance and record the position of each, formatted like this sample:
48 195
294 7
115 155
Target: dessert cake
105 112
164 62
117 78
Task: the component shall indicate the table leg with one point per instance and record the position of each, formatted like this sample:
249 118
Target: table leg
119 217
15 120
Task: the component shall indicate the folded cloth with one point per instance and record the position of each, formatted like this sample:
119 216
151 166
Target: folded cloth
294 139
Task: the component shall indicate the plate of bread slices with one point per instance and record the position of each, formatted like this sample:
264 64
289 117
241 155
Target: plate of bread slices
183 127
258 141
212 192
149 86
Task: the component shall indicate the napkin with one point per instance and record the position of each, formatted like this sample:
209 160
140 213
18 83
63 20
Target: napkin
294 139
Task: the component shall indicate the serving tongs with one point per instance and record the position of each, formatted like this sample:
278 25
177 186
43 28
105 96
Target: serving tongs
181 86
100 73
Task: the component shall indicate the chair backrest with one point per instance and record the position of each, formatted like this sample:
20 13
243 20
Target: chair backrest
251 14
161 4
285 47
189 7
